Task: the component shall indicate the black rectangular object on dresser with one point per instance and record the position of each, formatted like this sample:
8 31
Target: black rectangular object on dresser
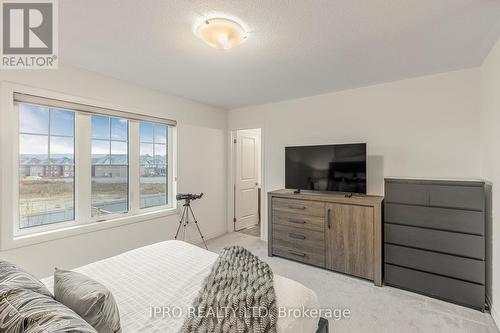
434 235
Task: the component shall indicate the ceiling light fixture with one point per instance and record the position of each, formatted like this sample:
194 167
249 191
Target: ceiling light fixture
221 33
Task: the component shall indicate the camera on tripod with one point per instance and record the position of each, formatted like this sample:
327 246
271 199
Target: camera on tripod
188 196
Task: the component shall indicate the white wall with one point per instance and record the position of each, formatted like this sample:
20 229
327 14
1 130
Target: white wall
490 158
423 127
201 168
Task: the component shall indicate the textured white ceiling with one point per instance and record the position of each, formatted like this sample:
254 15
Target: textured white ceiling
296 48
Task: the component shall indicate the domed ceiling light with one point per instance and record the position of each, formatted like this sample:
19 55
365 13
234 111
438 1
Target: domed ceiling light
221 33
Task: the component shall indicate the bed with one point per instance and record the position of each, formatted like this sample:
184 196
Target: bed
168 276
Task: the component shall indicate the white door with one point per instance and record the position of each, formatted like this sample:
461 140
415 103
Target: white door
247 179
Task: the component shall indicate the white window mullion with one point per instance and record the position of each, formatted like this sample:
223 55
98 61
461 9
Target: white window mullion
83 168
134 168
171 167
15 217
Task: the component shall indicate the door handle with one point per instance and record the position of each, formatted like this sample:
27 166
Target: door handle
328 218
296 236
299 254
297 207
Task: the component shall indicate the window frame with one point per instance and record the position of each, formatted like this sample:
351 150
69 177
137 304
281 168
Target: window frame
18 231
102 218
169 144
11 235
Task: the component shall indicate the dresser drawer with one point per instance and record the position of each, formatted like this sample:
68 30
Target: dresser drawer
311 258
411 194
457 291
439 218
441 241
452 266
298 207
436 195
299 221
463 197
299 239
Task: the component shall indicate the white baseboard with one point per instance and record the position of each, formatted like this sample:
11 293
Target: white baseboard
495 316
211 235
194 237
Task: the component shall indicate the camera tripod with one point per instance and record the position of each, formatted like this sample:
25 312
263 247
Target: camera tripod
185 220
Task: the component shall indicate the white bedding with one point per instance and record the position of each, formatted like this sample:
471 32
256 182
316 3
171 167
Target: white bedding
171 274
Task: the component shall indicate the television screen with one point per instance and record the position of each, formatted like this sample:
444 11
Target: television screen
338 168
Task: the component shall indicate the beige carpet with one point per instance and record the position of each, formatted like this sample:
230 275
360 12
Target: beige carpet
373 309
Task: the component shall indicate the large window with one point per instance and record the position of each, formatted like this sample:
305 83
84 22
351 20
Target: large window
46 165
153 164
109 165
80 165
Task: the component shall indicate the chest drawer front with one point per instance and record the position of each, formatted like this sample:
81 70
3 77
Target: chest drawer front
457 291
411 194
307 257
300 239
463 197
298 207
441 241
439 218
299 221
448 265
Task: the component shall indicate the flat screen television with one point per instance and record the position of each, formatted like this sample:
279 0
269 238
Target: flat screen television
337 168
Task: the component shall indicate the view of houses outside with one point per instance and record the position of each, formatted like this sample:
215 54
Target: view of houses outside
47 166
47 190
46 193
153 160
109 165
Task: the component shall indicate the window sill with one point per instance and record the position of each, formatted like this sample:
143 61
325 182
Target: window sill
50 235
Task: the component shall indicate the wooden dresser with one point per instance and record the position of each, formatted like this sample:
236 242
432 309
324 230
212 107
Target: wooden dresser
328 230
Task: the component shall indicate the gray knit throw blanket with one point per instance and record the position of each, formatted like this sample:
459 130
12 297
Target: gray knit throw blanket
237 297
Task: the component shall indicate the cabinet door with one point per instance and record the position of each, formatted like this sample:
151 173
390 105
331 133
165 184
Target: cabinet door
349 239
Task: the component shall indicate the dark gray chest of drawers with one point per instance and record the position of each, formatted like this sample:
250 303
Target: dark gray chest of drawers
434 239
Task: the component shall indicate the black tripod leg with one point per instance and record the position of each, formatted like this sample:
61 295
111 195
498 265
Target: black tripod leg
186 221
198 227
180 222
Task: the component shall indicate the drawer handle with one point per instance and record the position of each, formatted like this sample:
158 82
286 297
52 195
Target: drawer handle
328 219
297 207
296 236
296 221
299 254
